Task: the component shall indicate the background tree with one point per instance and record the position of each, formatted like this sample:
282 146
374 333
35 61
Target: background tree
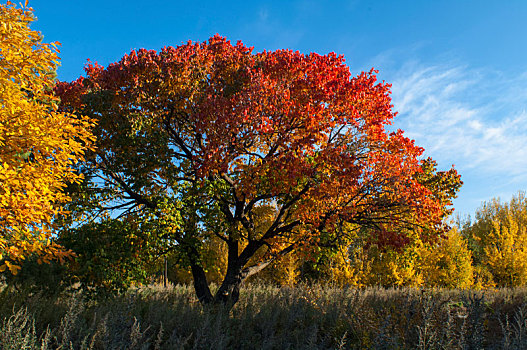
38 145
498 239
448 263
208 133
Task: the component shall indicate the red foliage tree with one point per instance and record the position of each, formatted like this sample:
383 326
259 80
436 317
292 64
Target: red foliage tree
225 131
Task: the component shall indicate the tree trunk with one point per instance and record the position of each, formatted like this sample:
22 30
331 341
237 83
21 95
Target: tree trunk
201 285
165 273
229 291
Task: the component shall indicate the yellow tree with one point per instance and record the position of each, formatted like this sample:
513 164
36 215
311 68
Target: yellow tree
449 262
373 264
38 145
506 252
498 239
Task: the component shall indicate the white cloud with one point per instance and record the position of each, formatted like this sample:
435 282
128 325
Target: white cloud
474 119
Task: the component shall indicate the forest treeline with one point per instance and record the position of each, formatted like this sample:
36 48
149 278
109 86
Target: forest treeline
488 251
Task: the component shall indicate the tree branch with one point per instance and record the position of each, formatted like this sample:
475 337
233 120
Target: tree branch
254 269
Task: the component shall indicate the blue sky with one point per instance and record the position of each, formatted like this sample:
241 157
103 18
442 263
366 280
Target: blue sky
458 68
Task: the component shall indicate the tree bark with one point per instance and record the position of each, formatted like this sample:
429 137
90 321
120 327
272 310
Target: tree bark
229 291
201 285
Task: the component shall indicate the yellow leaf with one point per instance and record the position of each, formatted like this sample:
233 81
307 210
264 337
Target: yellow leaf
12 267
32 192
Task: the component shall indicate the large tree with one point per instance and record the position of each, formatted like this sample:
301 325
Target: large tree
38 145
203 137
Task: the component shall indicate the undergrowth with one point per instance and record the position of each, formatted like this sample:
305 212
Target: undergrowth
267 317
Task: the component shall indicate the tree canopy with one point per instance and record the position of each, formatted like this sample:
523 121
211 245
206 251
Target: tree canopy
203 139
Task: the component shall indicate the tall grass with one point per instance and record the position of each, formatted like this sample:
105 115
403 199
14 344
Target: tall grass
268 317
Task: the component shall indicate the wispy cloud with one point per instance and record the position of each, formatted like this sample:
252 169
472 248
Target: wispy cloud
474 119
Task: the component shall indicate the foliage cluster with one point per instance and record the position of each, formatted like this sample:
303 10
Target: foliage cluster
498 238
488 252
38 144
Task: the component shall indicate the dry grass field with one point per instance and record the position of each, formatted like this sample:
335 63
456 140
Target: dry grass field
268 317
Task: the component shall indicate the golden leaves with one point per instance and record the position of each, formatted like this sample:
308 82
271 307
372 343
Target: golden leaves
38 144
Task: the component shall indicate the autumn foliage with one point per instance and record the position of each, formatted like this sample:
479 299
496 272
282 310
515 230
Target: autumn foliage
38 144
217 162
498 238
229 132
